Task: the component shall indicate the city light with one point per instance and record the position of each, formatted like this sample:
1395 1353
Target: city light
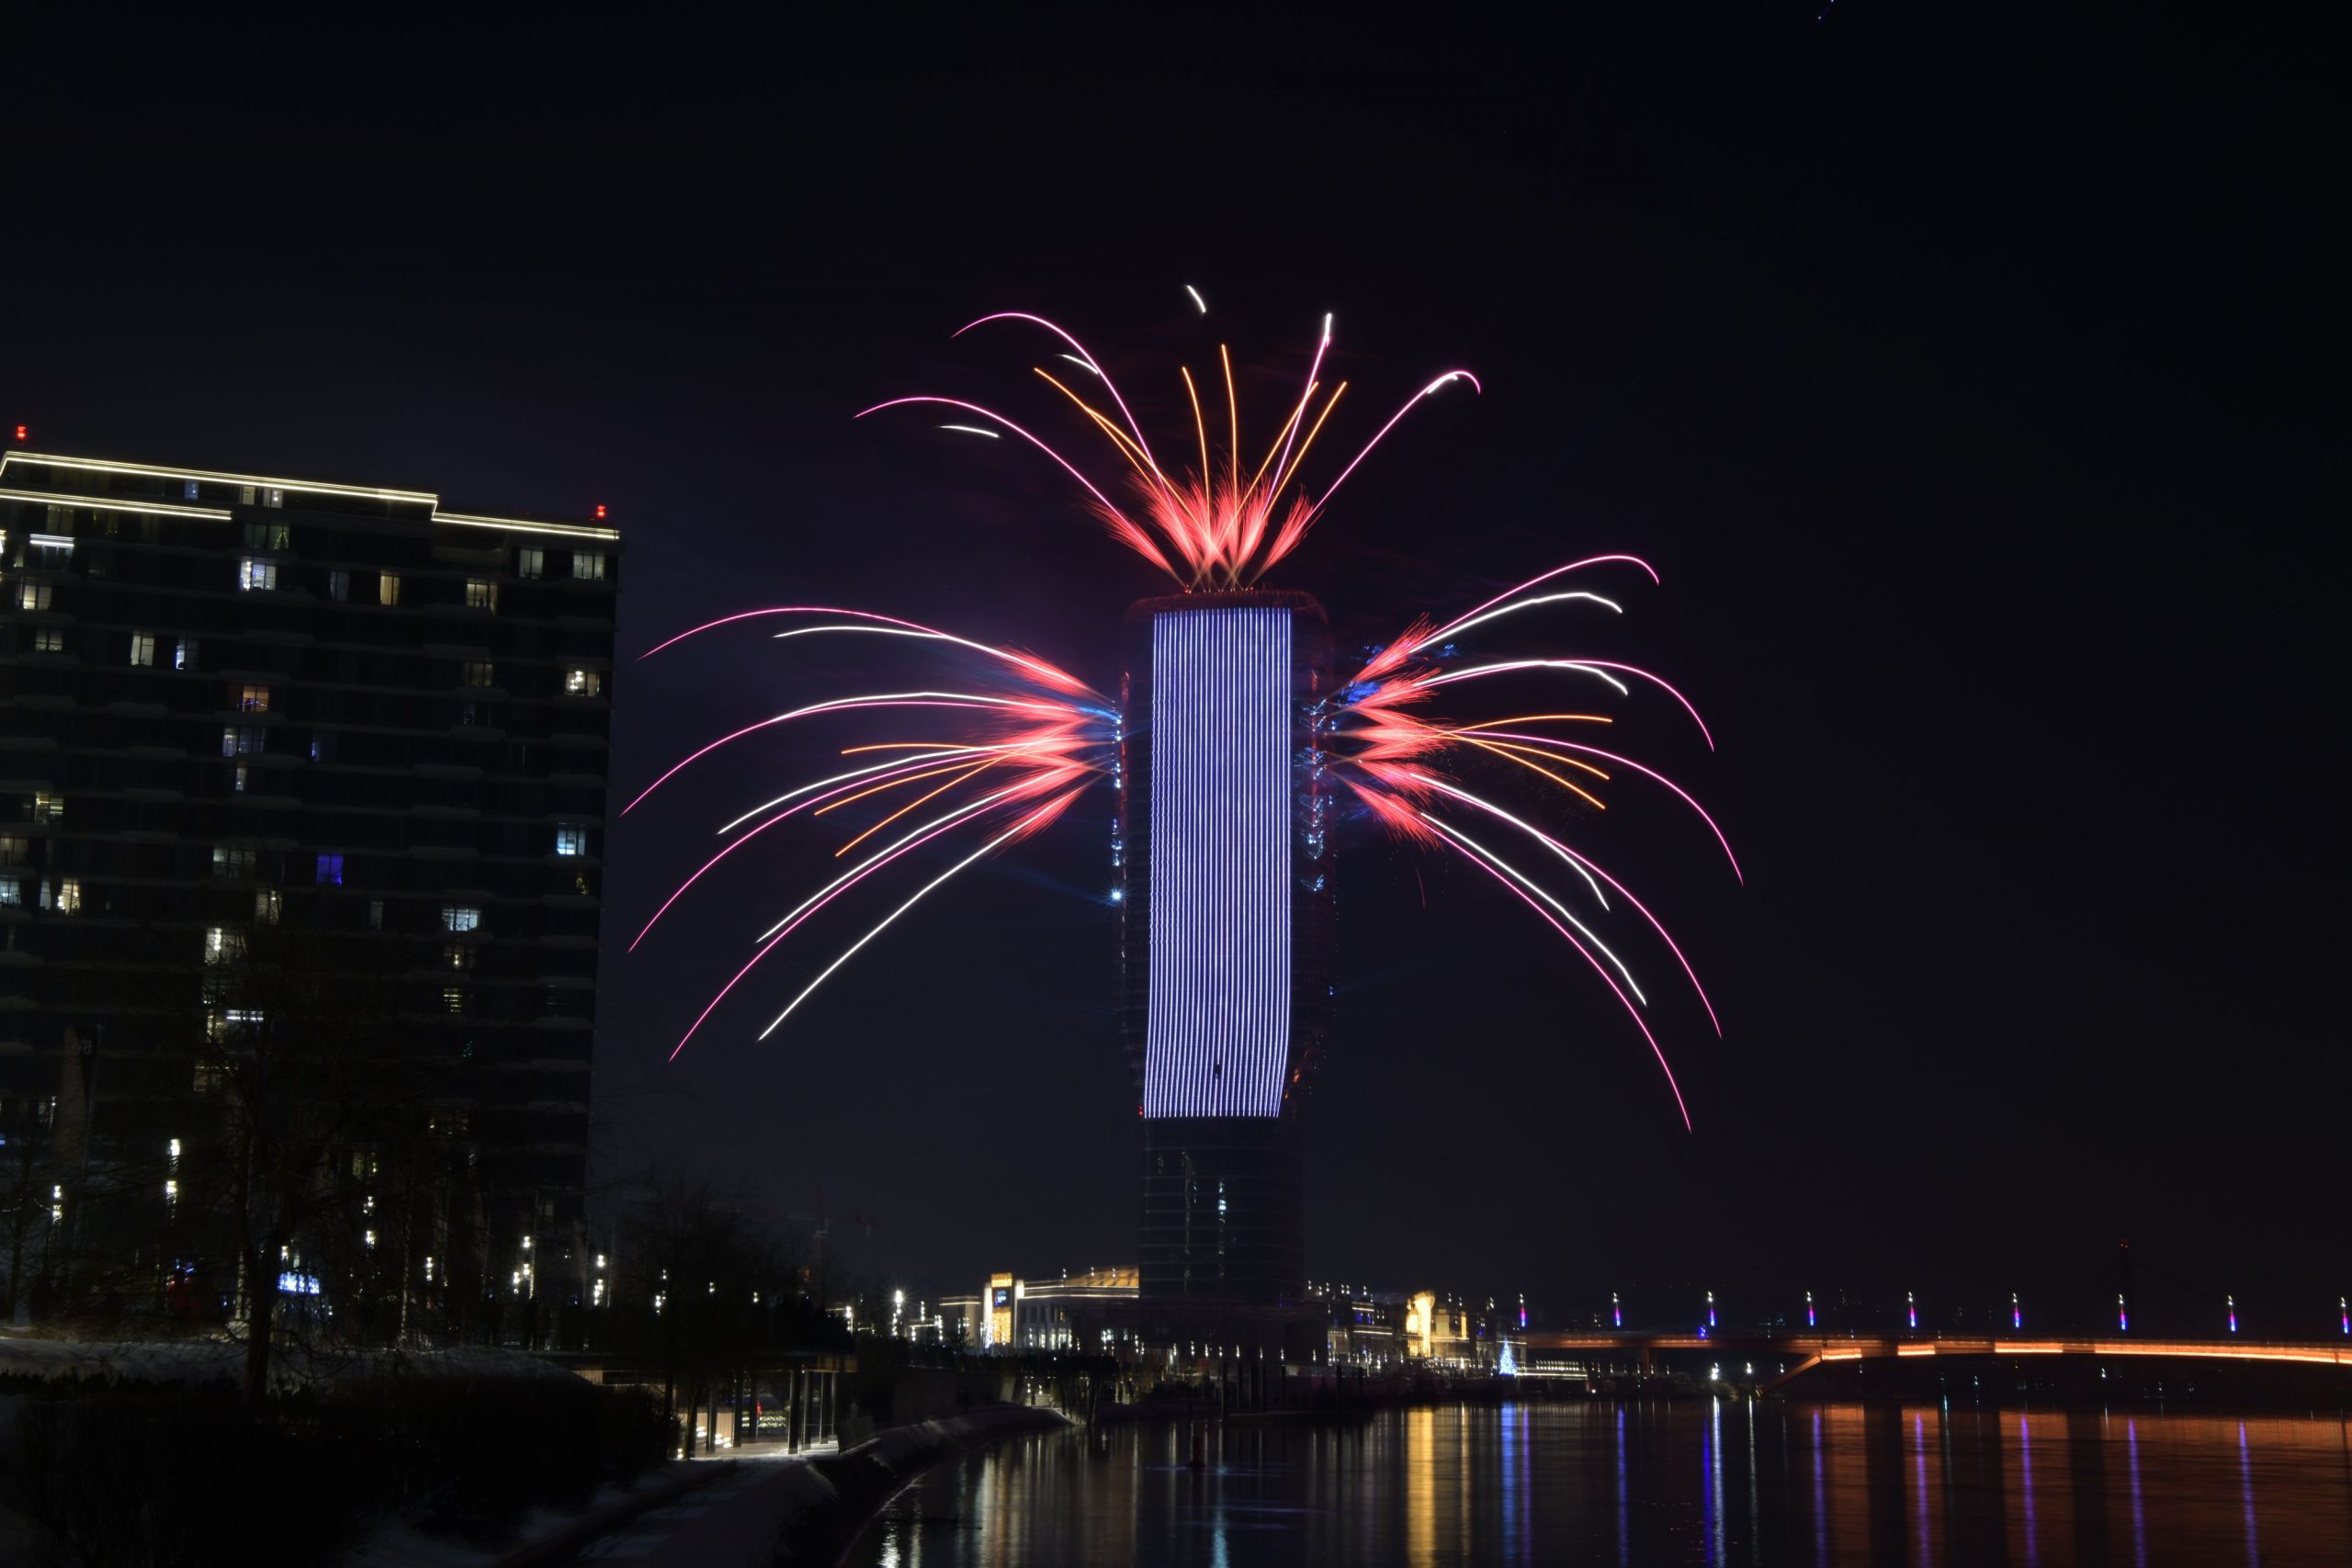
2122 1316
2017 1313
1809 1322
1710 1309
1911 1310
1616 1312
2233 1302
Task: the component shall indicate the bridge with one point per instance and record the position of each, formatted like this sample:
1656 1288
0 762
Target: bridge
1810 1349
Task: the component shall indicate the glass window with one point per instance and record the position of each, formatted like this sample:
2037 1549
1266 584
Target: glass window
254 572
49 639
481 594
588 566
375 914
454 997
571 840
338 585
48 807
242 741
142 648
188 489
478 672
322 747
12 892
12 849
330 871
243 773
231 862
460 918
245 495
268 536
388 590
32 596
184 654
69 896
268 907
220 945
254 699
583 682
530 562
273 496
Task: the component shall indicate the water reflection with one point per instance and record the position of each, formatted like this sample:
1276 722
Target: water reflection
1641 1484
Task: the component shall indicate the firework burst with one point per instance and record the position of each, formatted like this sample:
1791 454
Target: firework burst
1022 739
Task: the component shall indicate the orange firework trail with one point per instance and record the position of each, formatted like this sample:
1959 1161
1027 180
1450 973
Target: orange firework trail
1017 740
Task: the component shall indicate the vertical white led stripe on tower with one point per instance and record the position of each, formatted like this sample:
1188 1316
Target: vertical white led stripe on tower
1218 1028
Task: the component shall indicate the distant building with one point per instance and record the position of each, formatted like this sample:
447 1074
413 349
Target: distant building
1014 1315
232 702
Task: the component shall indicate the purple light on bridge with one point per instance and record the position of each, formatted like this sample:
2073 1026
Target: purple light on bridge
1710 1309
1218 1025
2344 1314
2233 1313
2122 1317
1911 1310
1808 1310
1616 1312
2017 1313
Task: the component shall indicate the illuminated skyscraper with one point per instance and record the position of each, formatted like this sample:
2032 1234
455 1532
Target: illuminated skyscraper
1225 931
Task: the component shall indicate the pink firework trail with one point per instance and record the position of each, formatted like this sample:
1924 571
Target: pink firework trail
1005 747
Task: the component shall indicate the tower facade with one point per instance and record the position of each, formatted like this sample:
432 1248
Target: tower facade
1226 932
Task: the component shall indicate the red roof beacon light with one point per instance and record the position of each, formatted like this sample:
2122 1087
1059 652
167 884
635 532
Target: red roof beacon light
600 505
20 433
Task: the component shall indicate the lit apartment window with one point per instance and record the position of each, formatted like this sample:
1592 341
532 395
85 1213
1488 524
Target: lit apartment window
49 639
254 699
244 776
338 585
478 672
245 495
53 550
571 840
454 997
32 596
12 849
268 907
188 489
481 594
588 566
242 740
460 918
322 746
273 496
222 945
388 589
184 654
330 872
142 648
583 682
254 572
529 562
231 863
268 536
375 914
458 956
12 892
48 807
69 896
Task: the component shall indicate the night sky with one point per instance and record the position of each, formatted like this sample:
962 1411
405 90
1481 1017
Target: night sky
1966 381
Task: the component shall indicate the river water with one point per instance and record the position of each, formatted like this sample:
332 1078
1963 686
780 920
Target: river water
1702 1481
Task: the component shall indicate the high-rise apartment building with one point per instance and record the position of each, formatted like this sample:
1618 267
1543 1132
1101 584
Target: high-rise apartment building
240 711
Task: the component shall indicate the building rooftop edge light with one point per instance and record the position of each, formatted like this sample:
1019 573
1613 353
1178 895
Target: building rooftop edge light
317 487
